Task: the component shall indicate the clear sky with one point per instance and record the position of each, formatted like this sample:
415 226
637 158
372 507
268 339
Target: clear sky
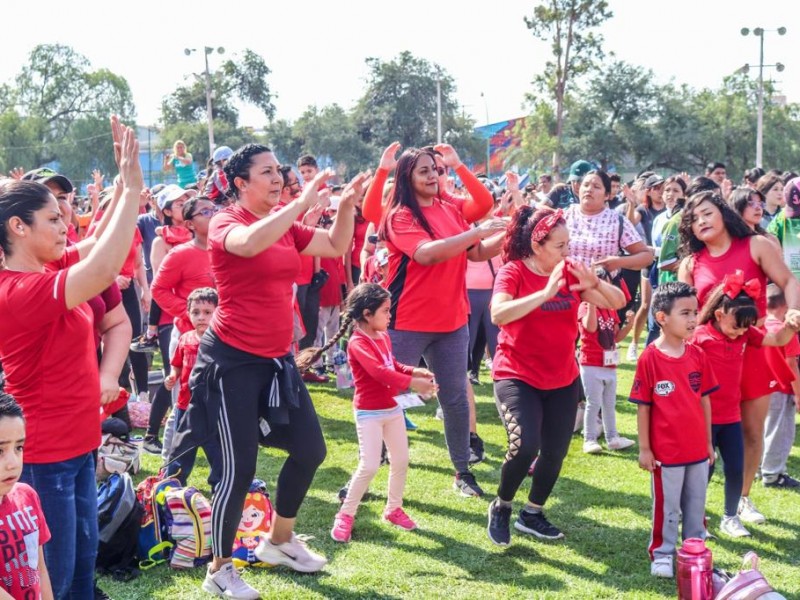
316 48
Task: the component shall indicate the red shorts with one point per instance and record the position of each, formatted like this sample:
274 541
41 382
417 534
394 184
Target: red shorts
758 378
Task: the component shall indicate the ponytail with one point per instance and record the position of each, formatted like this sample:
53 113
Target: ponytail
306 358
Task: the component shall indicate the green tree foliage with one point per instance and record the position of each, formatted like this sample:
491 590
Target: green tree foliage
329 131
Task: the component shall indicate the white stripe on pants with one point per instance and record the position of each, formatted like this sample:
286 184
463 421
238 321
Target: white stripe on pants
600 388
779 432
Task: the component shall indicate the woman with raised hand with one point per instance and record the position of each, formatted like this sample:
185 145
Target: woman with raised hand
429 240
49 358
245 385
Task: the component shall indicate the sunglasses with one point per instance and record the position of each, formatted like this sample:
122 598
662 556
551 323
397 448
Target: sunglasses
206 212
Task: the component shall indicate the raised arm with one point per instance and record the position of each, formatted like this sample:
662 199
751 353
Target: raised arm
480 201
372 207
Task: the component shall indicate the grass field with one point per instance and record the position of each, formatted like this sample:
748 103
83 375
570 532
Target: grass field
601 502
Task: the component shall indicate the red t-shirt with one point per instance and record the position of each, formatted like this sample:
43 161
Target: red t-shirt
594 343
331 292
129 266
50 361
185 356
23 530
708 271
255 293
778 358
727 357
673 387
539 348
359 234
377 376
426 298
182 271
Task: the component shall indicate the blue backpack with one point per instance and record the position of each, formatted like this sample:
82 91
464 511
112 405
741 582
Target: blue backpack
119 516
155 545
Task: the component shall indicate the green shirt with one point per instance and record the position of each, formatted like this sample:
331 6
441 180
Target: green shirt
788 233
184 172
670 242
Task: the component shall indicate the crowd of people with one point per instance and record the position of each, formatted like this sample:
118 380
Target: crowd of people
247 276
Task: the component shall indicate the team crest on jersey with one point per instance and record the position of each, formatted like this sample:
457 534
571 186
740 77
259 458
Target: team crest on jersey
695 377
664 388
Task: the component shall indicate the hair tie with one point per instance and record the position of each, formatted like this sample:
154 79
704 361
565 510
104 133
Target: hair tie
734 284
546 225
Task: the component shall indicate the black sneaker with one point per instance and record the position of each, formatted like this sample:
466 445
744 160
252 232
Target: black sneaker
100 594
476 452
152 445
498 529
538 525
783 481
473 379
384 455
466 484
146 344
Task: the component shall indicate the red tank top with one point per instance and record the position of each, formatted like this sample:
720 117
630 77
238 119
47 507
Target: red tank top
708 271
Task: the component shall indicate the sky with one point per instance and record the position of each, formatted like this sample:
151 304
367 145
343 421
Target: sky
316 49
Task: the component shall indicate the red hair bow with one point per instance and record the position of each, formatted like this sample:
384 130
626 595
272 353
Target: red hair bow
545 225
734 284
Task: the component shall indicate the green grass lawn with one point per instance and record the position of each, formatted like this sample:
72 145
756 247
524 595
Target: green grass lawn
601 502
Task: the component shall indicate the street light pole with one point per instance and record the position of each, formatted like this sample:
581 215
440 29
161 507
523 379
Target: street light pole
209 114
488 138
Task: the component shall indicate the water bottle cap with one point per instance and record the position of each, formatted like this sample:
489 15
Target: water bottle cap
694 546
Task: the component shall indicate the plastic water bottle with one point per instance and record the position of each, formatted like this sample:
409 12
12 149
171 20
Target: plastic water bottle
344 377
695 567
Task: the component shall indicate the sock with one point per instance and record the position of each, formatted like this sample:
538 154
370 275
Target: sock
500 502
532 510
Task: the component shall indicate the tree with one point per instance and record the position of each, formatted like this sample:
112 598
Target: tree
538 141
281 138
329 132
240 78
567 24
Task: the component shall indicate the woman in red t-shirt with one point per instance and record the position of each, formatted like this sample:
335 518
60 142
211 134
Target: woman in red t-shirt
47 345
429 241
717 242
246 386
535 302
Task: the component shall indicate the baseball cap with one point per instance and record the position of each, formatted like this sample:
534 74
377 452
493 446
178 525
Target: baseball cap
45 175
578 169
169 194
222 153
653 181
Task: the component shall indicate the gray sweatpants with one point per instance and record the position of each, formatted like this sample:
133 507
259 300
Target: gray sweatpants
169 428
678 493
445 355
600 388
779 431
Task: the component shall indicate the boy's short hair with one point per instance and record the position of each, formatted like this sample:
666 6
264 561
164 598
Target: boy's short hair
665 295
615 177
9 406
307 160
775 297
206 294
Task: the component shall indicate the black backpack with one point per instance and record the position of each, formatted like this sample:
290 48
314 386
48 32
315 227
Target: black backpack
119 516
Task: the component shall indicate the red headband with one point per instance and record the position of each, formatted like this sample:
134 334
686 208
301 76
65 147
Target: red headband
734 284
546 225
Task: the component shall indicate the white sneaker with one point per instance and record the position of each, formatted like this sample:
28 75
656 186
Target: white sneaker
144 397
732 527
633 356
227 583
592 447
439 413
488 363
620 443
293 554
749 513
662 567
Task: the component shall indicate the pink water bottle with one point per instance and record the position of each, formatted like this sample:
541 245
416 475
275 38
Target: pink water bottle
695 571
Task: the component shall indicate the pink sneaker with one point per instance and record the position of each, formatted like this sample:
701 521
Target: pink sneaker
400 518
342 527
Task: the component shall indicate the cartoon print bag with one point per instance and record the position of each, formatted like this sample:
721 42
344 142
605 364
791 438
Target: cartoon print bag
255 524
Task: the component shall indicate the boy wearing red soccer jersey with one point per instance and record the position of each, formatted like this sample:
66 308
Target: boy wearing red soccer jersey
671 387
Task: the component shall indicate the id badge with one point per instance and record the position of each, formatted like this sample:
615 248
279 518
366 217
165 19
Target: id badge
611 358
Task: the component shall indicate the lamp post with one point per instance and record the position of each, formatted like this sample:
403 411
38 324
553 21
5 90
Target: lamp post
488 138
760 31
206 51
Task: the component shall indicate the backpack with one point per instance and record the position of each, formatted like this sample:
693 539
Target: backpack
119 516
255 524
188 516
116 455
155 545
748 584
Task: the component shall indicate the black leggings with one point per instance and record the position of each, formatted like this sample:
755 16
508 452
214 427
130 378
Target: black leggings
537 422
308 301
730 441
138 361
243 389
163 400
155 314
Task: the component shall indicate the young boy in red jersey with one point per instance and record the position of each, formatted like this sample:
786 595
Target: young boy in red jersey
23 530
671 387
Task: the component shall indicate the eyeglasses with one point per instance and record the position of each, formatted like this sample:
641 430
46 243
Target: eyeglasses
206 212
755 204
294 184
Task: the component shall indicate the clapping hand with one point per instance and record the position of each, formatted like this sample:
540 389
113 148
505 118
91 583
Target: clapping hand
388 158
310 196
587 278
354 190
449 155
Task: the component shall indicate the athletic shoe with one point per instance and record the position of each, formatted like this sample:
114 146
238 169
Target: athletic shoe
228 583
782 481
732 527
633 353
592 447
293 554
487 362
342 527
384 455
466 484
143 343
151 445
619 443
749 513
410 425
439 413
311 377
476 451
342 493
498 528
400 518
538 525
143 396
662 567
473 379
